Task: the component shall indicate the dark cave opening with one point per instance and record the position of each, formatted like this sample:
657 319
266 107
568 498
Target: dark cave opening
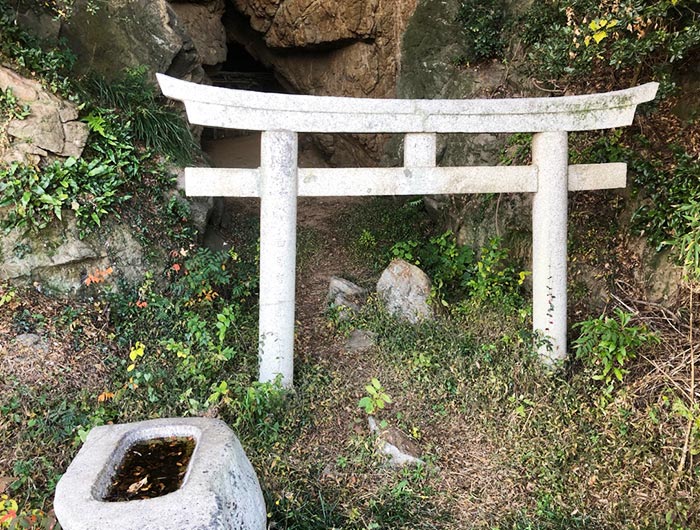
242 71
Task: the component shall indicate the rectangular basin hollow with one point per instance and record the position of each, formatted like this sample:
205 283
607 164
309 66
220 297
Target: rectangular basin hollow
150 468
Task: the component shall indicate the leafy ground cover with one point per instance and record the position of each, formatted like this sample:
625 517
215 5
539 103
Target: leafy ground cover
506 443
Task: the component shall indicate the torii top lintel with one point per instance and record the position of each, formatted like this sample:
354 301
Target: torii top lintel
258 111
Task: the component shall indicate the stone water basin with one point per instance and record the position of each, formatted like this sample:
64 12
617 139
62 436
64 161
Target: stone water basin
214 488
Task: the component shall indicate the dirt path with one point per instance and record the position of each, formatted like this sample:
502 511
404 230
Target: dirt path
320 256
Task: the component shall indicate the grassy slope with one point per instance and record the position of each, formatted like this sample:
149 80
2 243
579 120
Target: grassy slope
506 445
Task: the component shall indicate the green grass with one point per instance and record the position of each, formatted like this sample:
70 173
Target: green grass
508 445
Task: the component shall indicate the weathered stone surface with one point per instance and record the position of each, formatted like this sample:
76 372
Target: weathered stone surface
57 260
42 127
201 208
405 290
344 293
365 60
32 341
203 24
360 340
39 23
75 136
656 272
398 446
129 33
27 339
302 23
50 127
363 63
260 12
221 490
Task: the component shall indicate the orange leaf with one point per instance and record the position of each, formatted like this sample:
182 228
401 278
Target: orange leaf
104 396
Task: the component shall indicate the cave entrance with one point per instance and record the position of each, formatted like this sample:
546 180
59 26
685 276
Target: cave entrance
239 71
235 148
242 71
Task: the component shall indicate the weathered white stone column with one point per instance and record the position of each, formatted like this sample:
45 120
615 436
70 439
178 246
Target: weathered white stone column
549 236
278 218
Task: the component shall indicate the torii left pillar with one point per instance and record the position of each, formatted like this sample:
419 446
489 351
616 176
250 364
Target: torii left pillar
278 220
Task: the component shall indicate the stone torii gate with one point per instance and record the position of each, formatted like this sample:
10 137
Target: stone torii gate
279 181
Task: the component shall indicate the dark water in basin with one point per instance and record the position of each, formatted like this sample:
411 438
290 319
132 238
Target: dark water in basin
151 468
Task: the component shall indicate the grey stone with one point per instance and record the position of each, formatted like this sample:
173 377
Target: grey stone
130 33
201 208
220 490
75 134
57 259
28 339
50 127
399 447
405 290
32 341
343 293
40 24
42 127
360 340
203 23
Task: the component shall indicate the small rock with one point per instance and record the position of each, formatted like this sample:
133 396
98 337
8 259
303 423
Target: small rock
345 294
27 339
405 290
399 447
329 472
360 340
32 341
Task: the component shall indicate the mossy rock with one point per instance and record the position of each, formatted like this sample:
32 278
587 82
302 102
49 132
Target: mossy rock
110 36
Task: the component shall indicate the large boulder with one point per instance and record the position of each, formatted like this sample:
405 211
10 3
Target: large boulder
50 128
118 34
405 291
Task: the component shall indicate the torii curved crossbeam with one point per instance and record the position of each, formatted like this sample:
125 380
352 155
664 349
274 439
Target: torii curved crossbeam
259 111
278 181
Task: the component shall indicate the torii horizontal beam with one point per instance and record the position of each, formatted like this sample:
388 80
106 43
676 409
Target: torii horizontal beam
341 182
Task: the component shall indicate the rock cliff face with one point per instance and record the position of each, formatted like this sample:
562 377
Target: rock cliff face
56 260
305 23
431 43
328 47
202 22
